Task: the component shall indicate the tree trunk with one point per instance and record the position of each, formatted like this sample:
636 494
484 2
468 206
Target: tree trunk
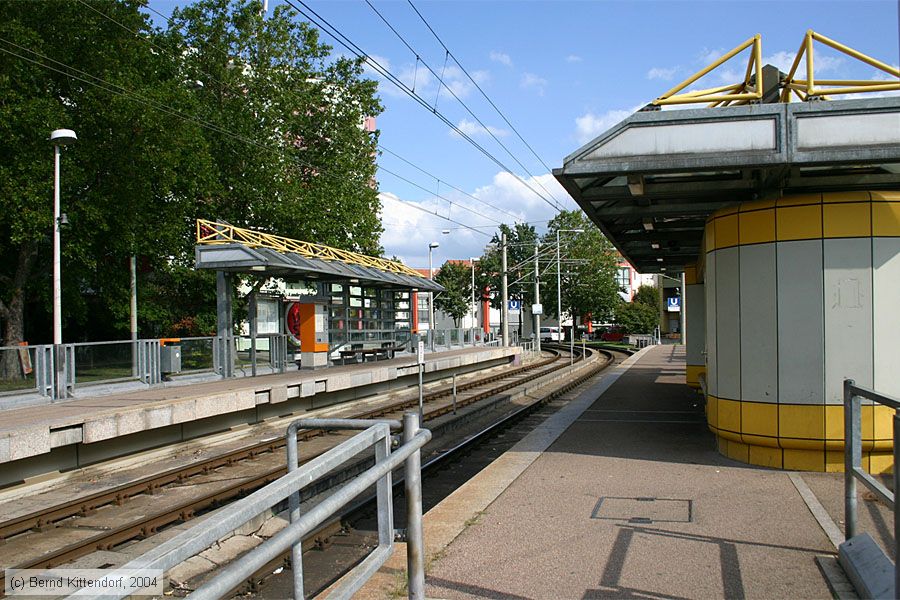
12 315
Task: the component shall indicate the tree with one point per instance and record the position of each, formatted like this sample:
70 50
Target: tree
456 277
641 315
588 269
224 115
520 242
129 160
286 119
637 317
647 295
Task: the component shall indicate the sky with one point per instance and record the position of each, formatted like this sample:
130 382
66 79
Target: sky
561 73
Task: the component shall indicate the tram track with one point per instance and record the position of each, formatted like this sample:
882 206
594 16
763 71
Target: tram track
50 518
434 470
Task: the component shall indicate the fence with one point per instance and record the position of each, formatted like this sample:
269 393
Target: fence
57 373
375 434
853 473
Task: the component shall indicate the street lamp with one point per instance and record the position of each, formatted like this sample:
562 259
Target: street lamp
59 138
559 293
431 247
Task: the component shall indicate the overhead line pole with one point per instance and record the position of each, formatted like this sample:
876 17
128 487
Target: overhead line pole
504 294
537 301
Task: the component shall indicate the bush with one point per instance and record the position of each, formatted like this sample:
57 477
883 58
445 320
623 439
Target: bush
636 317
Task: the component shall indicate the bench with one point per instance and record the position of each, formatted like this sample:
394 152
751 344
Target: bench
376 353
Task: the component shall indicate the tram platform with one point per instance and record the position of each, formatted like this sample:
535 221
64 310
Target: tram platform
175 413
622 494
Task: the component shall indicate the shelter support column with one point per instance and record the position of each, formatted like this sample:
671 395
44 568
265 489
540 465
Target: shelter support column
801 293
694 307
225 326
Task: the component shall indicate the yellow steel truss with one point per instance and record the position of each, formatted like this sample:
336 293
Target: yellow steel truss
750 89
806 88
737 93
212 233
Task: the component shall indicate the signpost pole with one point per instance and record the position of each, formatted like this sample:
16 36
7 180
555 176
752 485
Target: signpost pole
420 356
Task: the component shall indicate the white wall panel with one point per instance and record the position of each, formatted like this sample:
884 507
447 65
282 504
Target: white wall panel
848 314
800 322
886 297
728 323
709 285
695 306
759 318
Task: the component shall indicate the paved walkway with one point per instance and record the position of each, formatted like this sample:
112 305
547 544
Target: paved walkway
631 501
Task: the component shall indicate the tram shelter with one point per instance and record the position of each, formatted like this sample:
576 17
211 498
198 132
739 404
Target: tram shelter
785 220
332 302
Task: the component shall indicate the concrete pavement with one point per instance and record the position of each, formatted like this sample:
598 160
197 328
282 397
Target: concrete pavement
633 501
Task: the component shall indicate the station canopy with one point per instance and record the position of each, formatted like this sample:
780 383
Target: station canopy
650 182
223 247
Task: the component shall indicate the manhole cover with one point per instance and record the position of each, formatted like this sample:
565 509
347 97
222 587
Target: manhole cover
643 510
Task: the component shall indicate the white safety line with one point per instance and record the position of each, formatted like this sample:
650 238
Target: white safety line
818 511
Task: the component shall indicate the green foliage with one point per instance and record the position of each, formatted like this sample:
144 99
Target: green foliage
637 317
647 295
456 277
588 269
223 115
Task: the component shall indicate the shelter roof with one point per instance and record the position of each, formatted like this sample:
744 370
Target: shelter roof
223 247
650 181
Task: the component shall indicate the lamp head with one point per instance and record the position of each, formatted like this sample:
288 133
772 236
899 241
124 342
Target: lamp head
62 137
433 245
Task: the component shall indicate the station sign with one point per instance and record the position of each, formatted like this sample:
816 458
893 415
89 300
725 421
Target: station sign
673 304
420 352
515 306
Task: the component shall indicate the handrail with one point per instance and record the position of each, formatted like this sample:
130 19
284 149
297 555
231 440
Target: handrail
853 471
377 433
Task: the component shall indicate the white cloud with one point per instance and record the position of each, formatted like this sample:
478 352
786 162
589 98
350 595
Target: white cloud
370 64
408 230
481 76
501 57
473 129
708 55
662 73
588 126
418 77
573 58
532 81
824 63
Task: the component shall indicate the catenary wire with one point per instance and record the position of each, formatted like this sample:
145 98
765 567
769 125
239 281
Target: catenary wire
458 99
486 97
451 202
335 33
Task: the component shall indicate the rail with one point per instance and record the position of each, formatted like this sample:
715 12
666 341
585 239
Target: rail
376 433
853 471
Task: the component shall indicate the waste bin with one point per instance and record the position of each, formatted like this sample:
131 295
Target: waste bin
170 359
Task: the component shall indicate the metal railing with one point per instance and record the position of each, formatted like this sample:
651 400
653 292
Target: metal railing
853 470
57 372
376 433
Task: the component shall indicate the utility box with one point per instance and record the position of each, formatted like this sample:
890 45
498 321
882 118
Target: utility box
170 359
307 324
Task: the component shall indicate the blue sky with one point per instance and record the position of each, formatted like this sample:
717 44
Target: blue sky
562 73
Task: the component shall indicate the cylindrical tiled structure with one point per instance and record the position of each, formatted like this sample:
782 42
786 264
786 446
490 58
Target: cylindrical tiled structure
801 293
695 327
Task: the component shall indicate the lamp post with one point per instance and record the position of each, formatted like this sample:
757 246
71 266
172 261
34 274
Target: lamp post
431 247
559 292
59 138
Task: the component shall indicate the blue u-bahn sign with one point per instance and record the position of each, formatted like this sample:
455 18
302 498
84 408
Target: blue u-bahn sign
673 304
